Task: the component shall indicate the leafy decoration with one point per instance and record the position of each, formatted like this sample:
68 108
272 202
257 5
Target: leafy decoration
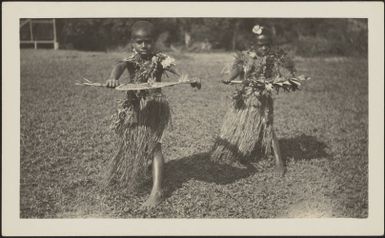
263 74
149 70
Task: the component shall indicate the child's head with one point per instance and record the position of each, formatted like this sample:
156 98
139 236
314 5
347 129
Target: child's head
142 37
263 39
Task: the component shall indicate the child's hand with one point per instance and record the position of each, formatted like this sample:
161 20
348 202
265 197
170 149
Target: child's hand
226 81
112 83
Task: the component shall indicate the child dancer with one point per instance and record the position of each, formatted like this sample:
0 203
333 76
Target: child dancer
248 125
143 115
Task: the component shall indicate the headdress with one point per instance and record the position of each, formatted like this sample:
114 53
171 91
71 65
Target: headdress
262 33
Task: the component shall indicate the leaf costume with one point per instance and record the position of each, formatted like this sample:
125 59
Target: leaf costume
141 119
248 125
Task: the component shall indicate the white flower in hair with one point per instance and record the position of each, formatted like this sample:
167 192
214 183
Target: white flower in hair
257 29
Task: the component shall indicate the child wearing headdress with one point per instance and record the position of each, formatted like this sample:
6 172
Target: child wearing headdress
143 115
247 131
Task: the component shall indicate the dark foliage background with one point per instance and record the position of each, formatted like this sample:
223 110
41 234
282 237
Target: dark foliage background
306 37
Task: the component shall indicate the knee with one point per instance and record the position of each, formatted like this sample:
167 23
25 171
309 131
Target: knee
158 150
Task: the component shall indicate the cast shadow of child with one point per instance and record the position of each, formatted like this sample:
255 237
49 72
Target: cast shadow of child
200 167
303 147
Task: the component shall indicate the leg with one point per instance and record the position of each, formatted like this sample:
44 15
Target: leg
157 176
279 166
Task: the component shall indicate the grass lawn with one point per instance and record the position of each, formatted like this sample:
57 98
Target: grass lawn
66 143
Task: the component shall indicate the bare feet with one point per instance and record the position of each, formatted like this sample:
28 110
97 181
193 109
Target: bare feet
154 199
279 170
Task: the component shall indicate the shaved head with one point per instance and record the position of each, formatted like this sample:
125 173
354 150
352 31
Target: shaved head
142 37
142 29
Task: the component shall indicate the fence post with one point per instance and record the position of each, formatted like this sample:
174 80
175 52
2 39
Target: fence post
55 43
30 29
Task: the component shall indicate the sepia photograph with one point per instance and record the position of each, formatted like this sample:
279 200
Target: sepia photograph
204 117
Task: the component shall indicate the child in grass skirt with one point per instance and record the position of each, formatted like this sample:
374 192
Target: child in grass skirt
248 126
143 115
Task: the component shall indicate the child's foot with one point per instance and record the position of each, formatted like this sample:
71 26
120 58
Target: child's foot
155 199
279 170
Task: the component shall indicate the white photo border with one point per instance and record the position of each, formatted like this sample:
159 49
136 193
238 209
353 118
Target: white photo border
13 225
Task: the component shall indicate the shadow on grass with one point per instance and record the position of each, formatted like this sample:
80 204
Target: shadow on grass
302 147
199 167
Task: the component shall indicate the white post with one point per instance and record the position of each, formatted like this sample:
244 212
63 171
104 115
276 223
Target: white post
55 43
31 31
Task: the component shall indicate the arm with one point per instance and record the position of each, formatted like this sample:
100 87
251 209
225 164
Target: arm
285 66
237 67
117 71
234 73
288 66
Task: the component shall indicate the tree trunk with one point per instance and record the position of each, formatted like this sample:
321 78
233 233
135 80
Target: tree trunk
187 39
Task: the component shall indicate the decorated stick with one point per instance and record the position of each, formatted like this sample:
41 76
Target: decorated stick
287 84
196 83
152 85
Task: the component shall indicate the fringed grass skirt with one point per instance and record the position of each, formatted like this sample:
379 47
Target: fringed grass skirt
140 124
246 131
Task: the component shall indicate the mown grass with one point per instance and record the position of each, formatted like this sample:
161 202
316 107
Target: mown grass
66 143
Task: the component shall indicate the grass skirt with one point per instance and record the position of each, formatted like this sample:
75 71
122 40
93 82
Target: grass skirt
246 131
140 123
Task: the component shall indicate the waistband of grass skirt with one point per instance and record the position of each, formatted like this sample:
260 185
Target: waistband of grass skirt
155 93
